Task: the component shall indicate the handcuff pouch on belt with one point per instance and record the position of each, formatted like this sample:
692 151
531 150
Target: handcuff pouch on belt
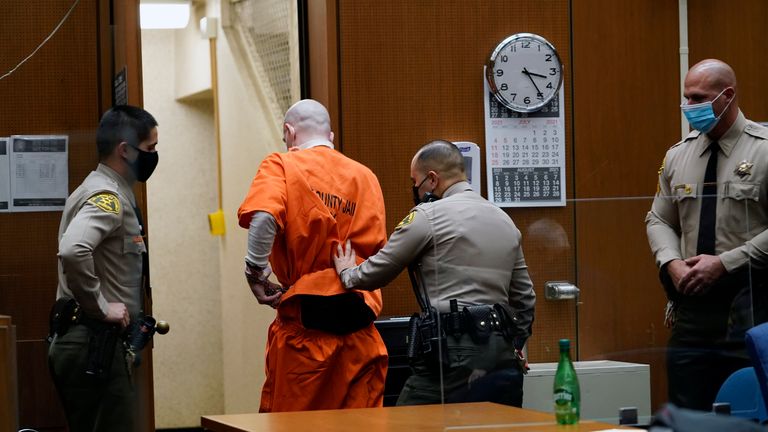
426 339
480 322
64 313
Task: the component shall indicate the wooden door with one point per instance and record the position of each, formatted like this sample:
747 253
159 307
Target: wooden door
62 89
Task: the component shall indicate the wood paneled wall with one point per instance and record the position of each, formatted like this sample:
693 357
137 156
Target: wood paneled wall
9 388
734 32
409 72
63 89
55 92
626 97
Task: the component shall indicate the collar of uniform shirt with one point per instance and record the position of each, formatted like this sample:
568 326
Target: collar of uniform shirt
120 180
316 142
455 188
730 137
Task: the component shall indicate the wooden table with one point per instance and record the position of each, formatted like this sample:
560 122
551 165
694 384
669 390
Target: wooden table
467 417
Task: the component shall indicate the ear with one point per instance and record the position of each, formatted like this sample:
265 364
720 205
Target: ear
122 149
331 136
434 177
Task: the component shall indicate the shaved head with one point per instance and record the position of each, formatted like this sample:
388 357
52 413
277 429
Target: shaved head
307 120
309 116
440 156
715 73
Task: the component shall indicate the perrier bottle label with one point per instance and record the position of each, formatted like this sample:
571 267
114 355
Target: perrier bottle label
566 411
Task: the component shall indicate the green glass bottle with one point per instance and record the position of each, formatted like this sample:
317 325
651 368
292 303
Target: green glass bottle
566 388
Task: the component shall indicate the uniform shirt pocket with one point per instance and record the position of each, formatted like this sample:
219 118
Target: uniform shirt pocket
742 191
684 195
133 247
741 209
133 244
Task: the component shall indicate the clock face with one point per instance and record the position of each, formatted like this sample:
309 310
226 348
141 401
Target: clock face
524 72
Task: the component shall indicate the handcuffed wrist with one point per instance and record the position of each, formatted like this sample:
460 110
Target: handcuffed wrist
254 274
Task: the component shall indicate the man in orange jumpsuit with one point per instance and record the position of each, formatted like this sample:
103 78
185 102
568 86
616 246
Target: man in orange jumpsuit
323 351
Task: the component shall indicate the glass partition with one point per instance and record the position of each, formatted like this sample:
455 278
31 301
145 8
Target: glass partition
597 285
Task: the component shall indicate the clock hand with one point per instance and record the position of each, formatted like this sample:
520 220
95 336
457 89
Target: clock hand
528 74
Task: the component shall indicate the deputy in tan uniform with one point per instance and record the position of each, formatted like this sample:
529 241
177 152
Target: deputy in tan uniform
101 249
708 229
469 251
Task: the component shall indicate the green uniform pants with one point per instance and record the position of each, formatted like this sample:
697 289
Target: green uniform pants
90 403
502 382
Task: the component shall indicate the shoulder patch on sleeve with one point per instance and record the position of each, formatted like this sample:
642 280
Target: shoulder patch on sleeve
107 202
406 220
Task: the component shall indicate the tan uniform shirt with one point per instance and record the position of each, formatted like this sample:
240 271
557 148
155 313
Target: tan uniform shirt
741 232
100 245
469 250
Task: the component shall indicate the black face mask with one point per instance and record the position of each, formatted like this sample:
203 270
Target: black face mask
144 165
428 196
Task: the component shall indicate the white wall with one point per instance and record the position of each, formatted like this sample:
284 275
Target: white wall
184 256
212 361
248 134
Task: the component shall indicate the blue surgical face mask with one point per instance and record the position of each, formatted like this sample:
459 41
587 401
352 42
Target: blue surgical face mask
701 116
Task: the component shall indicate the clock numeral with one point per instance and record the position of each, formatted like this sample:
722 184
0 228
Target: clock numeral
504 87
504 58
553 71
549 85
527 100
526 44
499 72
548 57
514 95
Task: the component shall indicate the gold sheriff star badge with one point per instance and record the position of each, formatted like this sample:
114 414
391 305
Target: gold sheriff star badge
744 169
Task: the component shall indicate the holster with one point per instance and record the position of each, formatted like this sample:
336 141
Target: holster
101 350
426 341
510 325
64 313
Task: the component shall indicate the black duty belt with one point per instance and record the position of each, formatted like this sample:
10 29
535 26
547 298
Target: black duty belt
482 319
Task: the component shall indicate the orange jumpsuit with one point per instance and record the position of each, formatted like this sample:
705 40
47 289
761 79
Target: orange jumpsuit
319 198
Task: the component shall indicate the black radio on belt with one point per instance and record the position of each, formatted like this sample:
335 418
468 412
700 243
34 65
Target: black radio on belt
426 340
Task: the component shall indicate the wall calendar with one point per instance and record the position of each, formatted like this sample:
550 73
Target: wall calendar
525 154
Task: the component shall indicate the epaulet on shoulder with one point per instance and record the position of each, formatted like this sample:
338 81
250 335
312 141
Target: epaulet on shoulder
756 130
691 136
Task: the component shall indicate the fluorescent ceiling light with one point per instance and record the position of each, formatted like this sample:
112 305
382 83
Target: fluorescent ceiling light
168 14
